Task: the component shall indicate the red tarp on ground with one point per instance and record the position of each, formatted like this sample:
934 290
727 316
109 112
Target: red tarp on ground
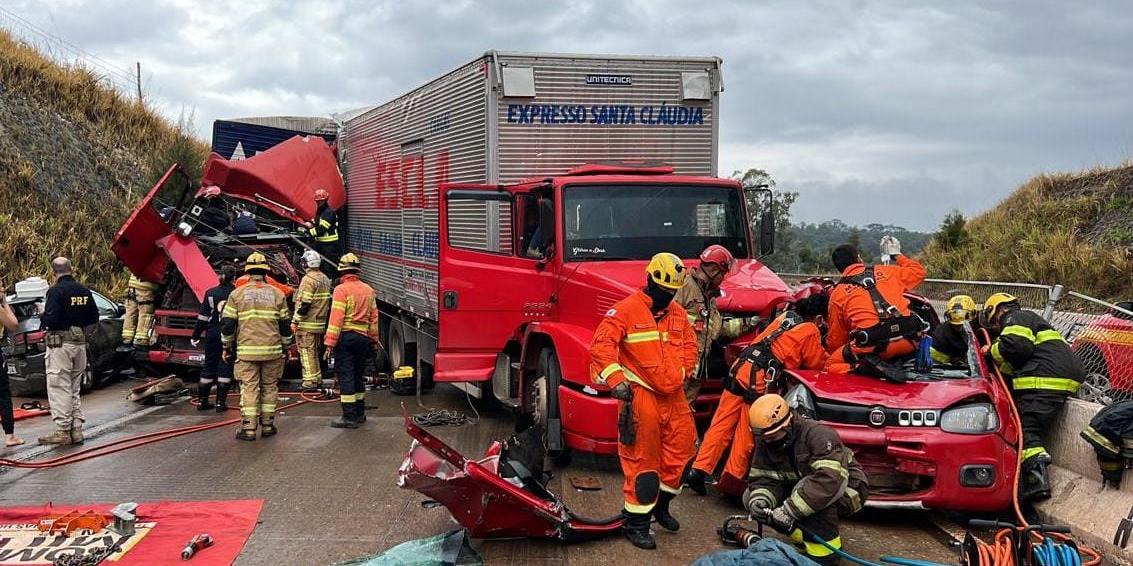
163 529
19 414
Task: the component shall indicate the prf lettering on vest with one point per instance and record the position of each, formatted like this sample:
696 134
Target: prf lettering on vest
78 301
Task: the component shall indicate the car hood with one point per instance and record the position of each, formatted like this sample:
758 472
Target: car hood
861 390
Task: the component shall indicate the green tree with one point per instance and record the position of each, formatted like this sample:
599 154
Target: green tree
757 203
953 231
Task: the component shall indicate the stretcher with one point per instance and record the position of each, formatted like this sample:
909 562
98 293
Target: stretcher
484 502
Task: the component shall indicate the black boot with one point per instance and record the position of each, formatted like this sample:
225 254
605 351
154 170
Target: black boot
636 530
203 390
360 411
267 427
1035 483
347 419
661 512
695 480
247 430
221 397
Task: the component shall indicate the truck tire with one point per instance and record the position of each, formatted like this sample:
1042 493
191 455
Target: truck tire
402 353
544 393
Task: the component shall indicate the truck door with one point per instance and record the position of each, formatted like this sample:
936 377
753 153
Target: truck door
493 274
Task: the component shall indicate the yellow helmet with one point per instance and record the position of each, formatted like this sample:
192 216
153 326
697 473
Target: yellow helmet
256 262
960 309
769 414
349 263
667 270
992 305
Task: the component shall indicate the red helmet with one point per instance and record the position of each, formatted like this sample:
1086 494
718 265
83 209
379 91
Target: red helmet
211 191
321 194
718 255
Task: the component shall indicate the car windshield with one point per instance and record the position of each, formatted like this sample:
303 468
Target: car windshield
27 313
634 222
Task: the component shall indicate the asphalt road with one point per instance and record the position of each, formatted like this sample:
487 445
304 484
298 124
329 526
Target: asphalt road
331 494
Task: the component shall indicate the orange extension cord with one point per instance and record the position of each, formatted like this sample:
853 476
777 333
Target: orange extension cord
1000 553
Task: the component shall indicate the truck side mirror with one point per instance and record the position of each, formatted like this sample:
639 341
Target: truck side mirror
546 227
767 231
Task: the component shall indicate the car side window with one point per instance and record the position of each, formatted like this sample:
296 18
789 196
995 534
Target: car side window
106 307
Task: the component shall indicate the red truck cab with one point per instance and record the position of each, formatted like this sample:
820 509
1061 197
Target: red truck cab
520 296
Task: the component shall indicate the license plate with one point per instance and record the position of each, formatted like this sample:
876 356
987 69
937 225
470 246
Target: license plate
12 368
196 357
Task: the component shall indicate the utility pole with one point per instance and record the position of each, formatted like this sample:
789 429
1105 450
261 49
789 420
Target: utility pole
139 82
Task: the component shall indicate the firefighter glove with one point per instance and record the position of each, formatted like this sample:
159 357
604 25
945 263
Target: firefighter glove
622 391
759 506
328 353
228 355
195 342
781 519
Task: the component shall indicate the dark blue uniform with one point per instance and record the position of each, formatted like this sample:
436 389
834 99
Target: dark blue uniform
68 305
214 367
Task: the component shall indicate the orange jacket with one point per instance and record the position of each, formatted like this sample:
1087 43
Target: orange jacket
797 348
287 291
353 308
630 343
851 307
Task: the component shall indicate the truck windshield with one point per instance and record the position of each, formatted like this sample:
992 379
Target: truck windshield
632 222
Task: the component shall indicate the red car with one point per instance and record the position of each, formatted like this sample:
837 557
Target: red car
943 440
1105 347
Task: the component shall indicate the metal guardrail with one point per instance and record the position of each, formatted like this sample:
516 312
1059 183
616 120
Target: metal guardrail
1099 332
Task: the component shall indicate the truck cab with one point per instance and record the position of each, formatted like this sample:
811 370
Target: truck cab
527 271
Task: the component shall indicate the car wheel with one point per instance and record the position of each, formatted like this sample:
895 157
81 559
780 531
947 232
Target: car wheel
544 394
1096 387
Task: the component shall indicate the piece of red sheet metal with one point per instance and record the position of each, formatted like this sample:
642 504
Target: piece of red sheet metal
135 242
191 262
283 178
485 503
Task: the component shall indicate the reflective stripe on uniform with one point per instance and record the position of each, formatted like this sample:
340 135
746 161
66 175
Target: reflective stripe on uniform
772 474
1048 335
1020 331
855 498
1045 383
831 465
819 550
608 371
344 398
356 327
249 411
1097 439
639 509
266 408
630 376
638 337
258 350
1029 453
315 327
262 314
804 509
326 239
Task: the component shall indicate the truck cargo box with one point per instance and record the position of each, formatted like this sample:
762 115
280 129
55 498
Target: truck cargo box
241 138
501 118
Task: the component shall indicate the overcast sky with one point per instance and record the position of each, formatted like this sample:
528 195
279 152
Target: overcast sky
872 111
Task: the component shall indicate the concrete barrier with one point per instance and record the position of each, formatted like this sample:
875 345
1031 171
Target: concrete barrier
1077 498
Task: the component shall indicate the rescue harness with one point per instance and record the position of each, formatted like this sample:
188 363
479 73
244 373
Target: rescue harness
892 325
759 357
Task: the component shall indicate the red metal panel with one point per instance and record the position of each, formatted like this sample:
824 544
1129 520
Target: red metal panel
134 244
191 263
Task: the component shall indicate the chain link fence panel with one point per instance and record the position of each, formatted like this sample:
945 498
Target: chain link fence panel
1099 332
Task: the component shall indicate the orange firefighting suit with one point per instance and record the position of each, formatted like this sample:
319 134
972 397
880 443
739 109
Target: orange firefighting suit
656 355
706 321
799 347
285 289
851 308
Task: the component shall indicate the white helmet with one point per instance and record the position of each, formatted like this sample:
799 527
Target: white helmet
312 259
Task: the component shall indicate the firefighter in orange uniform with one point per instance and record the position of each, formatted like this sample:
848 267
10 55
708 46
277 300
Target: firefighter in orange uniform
870 321
791 341
644 350
352 337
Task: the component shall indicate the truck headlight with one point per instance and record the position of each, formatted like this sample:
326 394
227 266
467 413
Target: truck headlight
800 399
977 418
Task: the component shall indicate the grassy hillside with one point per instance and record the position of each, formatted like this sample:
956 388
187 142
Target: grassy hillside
75 157
1075 229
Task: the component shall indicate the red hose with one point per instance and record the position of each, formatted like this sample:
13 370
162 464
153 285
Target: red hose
128 443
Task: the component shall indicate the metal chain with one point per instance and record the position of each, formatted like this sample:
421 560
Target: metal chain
93 558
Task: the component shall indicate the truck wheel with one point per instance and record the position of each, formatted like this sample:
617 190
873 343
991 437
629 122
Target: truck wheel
402 353
544 394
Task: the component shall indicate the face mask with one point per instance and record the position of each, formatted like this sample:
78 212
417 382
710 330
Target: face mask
661 297
776 444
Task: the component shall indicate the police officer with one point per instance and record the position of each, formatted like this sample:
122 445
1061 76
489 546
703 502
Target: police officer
255 329
68 308
312 305
352 337
208 323
698 297
1042 370
139 313
802 478
324 229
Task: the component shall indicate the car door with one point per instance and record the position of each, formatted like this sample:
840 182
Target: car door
491 280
